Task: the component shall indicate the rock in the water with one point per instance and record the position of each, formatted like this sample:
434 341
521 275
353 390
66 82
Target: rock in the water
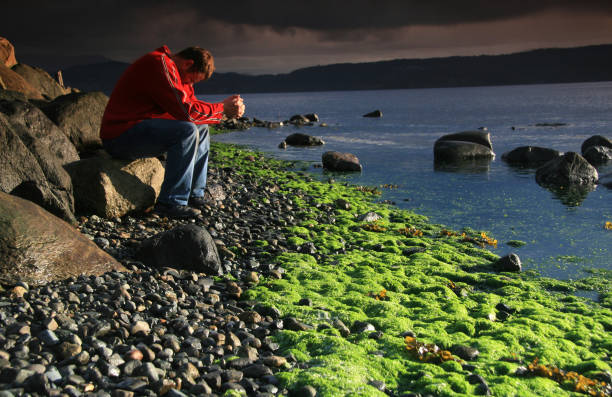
41 80
282 145
463 146
508 263
336 161
298 139
569 169
597 155
595 140
187 247
79 115
36 247
530 156
375 113
111 188
7 53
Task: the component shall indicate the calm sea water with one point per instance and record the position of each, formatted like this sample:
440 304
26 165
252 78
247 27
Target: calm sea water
563 235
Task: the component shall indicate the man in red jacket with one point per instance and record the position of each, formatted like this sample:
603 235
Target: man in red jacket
153 110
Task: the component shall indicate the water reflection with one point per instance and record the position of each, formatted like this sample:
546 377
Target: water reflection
468 166
572 195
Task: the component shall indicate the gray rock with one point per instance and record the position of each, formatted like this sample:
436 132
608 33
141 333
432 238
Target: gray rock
467 353
569 169
184 247
112 188
79 115
508 263
37 247
369 217
336 161
298 139
530 156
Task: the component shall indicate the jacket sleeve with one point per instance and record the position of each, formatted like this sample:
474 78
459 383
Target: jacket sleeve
177 99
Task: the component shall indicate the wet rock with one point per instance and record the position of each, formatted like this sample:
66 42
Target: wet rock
186 247
598 155
336 161
595 140
375 113
305 391
508 263
293 324
569 169
530 156
463 146
299 139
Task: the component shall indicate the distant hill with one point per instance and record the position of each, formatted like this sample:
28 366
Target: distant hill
582 64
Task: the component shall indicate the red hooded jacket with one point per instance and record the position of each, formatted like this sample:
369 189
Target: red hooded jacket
151 88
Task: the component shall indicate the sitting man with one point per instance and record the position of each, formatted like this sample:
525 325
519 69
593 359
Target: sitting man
153 110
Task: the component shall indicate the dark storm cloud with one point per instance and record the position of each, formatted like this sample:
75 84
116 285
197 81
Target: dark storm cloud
245 31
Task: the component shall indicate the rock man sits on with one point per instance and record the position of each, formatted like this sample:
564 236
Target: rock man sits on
153 110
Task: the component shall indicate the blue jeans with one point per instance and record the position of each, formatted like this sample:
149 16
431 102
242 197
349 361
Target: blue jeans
187 145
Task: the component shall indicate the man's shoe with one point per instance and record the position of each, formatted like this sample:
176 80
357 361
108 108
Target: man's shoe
197 201
175 211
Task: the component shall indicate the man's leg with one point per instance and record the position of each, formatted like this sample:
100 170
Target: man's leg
200 168
155 136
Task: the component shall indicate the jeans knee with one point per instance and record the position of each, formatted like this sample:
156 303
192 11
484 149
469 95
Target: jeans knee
187 130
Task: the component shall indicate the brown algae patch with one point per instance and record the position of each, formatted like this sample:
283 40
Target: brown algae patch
438 287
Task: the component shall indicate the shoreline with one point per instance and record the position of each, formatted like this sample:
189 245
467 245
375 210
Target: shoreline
321 273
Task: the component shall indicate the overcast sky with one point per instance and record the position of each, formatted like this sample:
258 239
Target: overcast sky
278 36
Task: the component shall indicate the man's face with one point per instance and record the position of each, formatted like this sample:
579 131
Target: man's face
188 75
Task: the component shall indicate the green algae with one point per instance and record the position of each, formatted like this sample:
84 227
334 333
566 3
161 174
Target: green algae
440 287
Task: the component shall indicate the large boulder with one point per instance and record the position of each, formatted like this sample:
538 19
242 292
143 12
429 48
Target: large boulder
37 247
40 80
569 169
29 171
597 150
298 139
112 188
463 146
79 115
14 82
530 156
336 161
187 247
7 53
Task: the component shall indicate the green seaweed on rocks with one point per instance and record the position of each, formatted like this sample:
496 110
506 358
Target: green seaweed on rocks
440 289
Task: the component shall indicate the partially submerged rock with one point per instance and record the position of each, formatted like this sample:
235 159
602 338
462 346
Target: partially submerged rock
508 263
37 247
530 156
463 146
336 161
111 188
187 247
299 139
569 169
375 113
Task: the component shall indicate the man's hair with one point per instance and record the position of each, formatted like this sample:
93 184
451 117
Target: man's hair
203 61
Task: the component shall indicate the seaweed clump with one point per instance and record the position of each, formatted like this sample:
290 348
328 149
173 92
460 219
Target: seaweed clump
577 382
429 352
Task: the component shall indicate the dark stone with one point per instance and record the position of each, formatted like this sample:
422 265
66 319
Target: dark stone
569 169
530 156
336 161
598 155
79 115
185 247
298 139
257 371
479 137
595 140
508 263
305 391
453 151
375 113
467 353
